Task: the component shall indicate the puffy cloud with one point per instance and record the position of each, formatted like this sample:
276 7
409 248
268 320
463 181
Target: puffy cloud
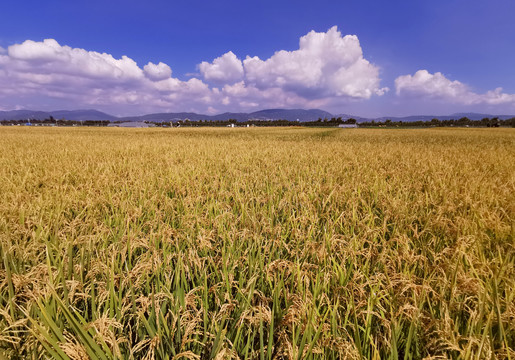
48 57
43 73
29 50
160 71
326 64
226 69
327 69
436 86
241 95
497 97
427 84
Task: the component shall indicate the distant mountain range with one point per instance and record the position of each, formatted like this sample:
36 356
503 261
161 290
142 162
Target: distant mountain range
60 114
268 114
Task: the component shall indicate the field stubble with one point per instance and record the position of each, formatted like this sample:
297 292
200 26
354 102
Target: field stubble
257 243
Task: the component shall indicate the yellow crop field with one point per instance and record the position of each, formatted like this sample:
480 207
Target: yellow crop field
279 243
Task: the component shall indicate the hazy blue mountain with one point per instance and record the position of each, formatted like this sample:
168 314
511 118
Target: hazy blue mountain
82 115
290 114
165 117
230 115
267 114
59 114
347 116
23 115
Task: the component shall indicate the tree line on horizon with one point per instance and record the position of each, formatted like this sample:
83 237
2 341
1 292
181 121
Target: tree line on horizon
462 122
332 122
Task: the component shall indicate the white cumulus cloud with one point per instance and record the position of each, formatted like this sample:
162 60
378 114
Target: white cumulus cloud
328 69
436 86
226 69
326 64
49 57
159 71
41 74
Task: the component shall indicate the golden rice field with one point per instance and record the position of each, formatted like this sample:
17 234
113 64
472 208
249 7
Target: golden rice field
280 243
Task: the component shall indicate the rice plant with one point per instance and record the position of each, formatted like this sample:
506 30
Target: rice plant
286 243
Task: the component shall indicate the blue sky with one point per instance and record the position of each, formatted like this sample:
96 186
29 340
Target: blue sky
133 57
